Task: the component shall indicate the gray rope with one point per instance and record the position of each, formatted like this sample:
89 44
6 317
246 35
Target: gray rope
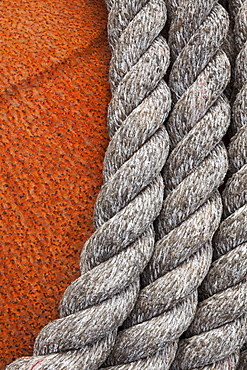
219 327
98 302
192 207
242 365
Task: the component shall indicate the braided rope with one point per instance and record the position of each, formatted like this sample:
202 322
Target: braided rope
98 302
219 327
192 207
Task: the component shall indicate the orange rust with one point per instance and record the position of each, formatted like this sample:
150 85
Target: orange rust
54 95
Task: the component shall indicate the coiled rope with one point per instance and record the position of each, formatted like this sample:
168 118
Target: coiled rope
192 206
98 302
219 327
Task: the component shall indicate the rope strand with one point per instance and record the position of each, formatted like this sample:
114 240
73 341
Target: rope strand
98 302
219 327
192 207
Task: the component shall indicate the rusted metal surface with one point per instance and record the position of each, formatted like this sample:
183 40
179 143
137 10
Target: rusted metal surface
54 95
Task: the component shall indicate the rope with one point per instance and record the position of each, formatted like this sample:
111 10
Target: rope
98 302
242 365
192 207
107 295
219 327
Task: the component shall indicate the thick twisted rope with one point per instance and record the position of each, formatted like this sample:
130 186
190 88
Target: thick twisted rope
219 327
98 302
192 207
